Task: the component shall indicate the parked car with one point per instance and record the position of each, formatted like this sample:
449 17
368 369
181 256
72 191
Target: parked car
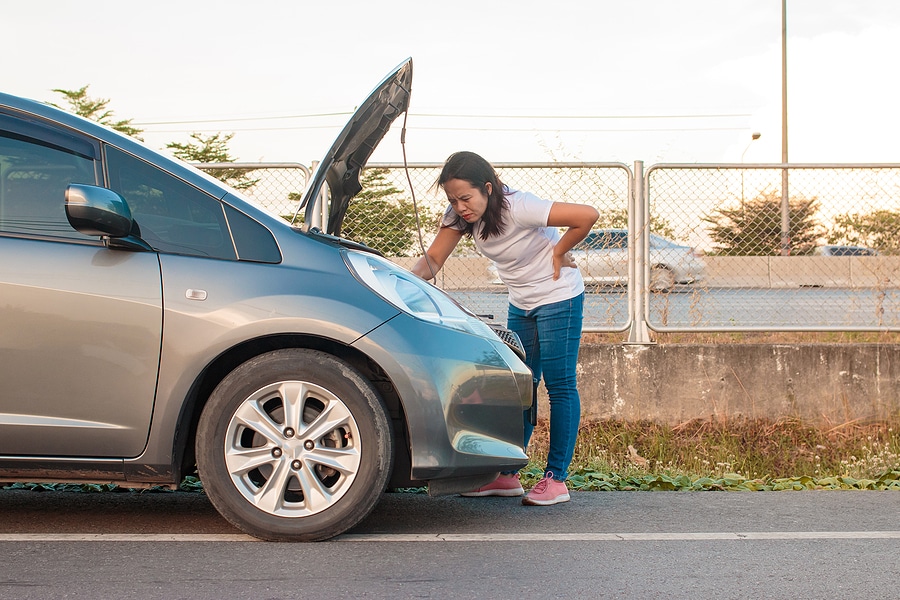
154 319
844 251
602 257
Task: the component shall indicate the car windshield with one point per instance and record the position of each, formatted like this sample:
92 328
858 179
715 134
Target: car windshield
604 240
839 251
657 241
610 239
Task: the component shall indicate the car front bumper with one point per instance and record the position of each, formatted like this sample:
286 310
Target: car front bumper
463 397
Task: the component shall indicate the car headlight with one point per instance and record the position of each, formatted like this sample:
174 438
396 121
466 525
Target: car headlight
413 295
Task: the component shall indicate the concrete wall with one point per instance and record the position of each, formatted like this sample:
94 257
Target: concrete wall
823 384
795 271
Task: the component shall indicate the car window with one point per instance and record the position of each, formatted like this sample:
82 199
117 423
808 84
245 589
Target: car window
604 240
660 242
172 215
253 241
851 251
588 243
36 165
844 251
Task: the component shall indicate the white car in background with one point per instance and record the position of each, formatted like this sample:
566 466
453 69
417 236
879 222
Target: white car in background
844 251
603 259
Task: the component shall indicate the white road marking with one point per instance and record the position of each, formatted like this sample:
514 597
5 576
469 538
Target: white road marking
126 537
618 537
465 537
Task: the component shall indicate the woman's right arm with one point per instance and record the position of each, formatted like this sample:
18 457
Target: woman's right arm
438 252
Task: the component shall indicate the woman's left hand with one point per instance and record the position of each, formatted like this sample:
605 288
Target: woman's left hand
564 260
579 218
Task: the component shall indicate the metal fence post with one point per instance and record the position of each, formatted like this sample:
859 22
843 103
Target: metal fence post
638 230
785 214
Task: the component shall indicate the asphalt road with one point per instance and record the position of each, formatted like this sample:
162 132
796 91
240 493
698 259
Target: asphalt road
811 544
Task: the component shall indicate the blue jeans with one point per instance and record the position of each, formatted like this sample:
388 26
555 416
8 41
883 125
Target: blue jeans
551 335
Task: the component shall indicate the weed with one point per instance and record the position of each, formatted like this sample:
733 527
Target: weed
748 454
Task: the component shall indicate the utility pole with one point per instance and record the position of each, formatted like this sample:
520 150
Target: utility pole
785 198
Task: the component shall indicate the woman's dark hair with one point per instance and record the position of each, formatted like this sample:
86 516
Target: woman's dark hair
468 166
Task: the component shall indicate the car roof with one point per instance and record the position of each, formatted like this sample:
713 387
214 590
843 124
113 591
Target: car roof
25 107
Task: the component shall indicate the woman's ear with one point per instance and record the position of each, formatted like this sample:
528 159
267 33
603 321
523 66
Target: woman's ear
488 188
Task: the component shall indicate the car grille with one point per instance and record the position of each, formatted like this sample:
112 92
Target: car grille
510 338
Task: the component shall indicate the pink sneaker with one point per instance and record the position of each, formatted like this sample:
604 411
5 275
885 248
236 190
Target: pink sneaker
505 485
547 491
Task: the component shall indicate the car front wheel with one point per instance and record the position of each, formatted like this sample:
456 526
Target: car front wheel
294 445
662 279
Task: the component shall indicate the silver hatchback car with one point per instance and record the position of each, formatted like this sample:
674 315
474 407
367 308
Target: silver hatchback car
153 321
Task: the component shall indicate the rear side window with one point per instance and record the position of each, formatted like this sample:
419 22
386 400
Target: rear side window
36 165
851 251
253 241
604 240
172 215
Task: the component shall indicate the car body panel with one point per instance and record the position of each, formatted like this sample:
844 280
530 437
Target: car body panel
272 301
461 381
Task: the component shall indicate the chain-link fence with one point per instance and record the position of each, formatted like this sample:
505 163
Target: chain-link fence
809 247
730 247
278 187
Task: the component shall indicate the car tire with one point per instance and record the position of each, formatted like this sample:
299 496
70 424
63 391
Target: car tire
662 279
294 445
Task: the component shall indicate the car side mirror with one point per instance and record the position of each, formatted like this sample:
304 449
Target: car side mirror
94 210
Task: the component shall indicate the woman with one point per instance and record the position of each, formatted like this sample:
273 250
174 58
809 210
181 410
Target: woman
518 231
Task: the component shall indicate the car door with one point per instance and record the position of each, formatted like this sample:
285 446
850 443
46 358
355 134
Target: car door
80 324
210 258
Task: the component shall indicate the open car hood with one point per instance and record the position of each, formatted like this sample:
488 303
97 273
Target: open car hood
353 147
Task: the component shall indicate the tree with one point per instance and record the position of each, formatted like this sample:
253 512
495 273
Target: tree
210 149
879 229
754 229
381 218
96 110
214 149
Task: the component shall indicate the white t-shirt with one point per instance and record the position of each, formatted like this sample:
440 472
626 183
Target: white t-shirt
523 253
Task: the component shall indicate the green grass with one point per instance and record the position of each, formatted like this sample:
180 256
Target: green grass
745 455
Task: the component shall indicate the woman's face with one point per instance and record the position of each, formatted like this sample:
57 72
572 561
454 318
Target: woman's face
468 201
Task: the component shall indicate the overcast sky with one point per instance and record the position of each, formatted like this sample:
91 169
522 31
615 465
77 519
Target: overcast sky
516 80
